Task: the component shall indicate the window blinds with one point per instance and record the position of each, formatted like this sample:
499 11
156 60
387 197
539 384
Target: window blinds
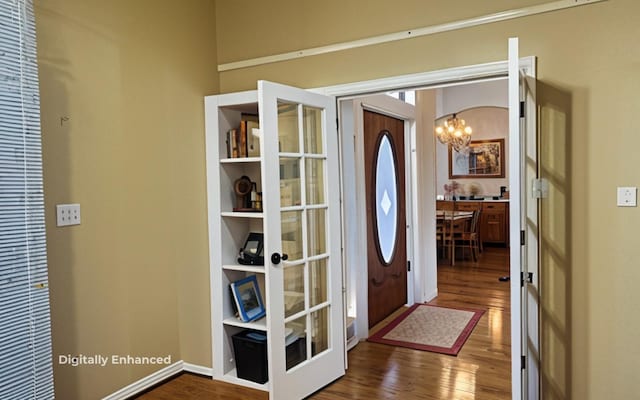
25 333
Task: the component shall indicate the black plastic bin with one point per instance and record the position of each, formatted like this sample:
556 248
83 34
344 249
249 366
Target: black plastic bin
250 349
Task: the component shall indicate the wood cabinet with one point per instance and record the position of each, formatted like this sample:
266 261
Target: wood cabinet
494 223
494 219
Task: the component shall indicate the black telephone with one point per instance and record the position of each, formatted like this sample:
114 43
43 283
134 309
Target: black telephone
253 251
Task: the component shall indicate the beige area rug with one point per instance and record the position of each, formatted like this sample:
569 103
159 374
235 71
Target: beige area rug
430 328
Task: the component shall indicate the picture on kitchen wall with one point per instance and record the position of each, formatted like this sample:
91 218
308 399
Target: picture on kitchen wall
484 159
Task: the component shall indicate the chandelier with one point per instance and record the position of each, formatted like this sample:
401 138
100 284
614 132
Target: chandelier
455 133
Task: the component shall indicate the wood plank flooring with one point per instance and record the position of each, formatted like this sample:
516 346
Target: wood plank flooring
481 370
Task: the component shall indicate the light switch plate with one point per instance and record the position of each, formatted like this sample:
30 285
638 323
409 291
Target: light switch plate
627 196
67 214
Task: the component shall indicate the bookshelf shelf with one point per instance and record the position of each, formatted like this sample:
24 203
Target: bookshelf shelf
256 269
260 325
240 160
274 149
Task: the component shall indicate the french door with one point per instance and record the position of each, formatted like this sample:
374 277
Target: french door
305 317
525 227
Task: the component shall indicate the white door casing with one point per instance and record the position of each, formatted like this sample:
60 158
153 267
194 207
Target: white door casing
441 78
354 199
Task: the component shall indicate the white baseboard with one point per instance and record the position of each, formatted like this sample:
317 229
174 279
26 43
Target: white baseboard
157 377
431 295
198 369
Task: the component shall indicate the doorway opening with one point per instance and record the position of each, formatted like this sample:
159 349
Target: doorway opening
422 279
426 174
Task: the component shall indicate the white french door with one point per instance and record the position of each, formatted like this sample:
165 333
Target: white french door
525 227
305 317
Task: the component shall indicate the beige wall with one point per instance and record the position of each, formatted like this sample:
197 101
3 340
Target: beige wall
129 78
588 67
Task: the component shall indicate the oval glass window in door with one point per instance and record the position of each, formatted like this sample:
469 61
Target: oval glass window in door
386 190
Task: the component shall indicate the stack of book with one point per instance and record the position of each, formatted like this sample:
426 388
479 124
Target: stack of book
244 141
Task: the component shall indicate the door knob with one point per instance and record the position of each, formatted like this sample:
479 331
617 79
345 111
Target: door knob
275 258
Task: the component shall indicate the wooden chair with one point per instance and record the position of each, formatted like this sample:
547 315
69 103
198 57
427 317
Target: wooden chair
448 228
442 224
470 236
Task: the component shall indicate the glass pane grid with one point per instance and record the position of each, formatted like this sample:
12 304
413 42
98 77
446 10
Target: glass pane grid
319 325
313 129
295 316
305 212
288 127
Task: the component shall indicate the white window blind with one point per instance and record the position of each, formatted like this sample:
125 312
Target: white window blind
25 333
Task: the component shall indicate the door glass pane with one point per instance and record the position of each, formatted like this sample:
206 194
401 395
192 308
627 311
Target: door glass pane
312 130
293 290
295 341
292 234
316 238
319 331
318 282
288 133
314 171
386 199
290 194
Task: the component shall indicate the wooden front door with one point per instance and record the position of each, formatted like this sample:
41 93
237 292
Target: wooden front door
386 214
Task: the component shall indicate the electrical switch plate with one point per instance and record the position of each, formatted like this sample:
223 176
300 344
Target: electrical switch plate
627 196
67 214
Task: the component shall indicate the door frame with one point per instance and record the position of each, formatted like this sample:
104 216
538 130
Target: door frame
425 283
355 224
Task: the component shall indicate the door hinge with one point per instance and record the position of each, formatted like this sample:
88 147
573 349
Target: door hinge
408 265
522 109
526 277
540 188
523 362
522 238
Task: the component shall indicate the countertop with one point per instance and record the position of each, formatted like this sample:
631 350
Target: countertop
486 200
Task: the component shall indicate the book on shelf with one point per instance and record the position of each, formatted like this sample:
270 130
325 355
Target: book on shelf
244 141
232 143
252 130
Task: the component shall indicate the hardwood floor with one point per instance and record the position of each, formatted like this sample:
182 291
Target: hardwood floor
481 370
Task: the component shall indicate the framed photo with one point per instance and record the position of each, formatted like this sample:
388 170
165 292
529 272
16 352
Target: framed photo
246 294
484 159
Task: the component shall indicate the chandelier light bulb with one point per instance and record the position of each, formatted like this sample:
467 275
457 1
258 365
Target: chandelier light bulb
454 132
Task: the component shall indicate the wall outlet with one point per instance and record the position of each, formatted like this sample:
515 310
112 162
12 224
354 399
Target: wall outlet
627 196
67 214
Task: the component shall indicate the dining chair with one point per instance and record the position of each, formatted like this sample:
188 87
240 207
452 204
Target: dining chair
470 236
443 223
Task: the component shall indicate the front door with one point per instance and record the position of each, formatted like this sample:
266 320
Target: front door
305 317
386 215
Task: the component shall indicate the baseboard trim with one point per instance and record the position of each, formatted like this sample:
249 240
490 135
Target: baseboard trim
431 295
197 369
157 377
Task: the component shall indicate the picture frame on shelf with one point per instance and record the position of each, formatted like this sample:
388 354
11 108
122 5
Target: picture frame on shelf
247 298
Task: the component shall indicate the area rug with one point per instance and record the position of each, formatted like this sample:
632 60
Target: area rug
430 328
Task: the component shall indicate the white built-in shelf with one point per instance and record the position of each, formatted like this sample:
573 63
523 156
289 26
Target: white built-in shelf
239 160
259 325
258 269
232 377
238 214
